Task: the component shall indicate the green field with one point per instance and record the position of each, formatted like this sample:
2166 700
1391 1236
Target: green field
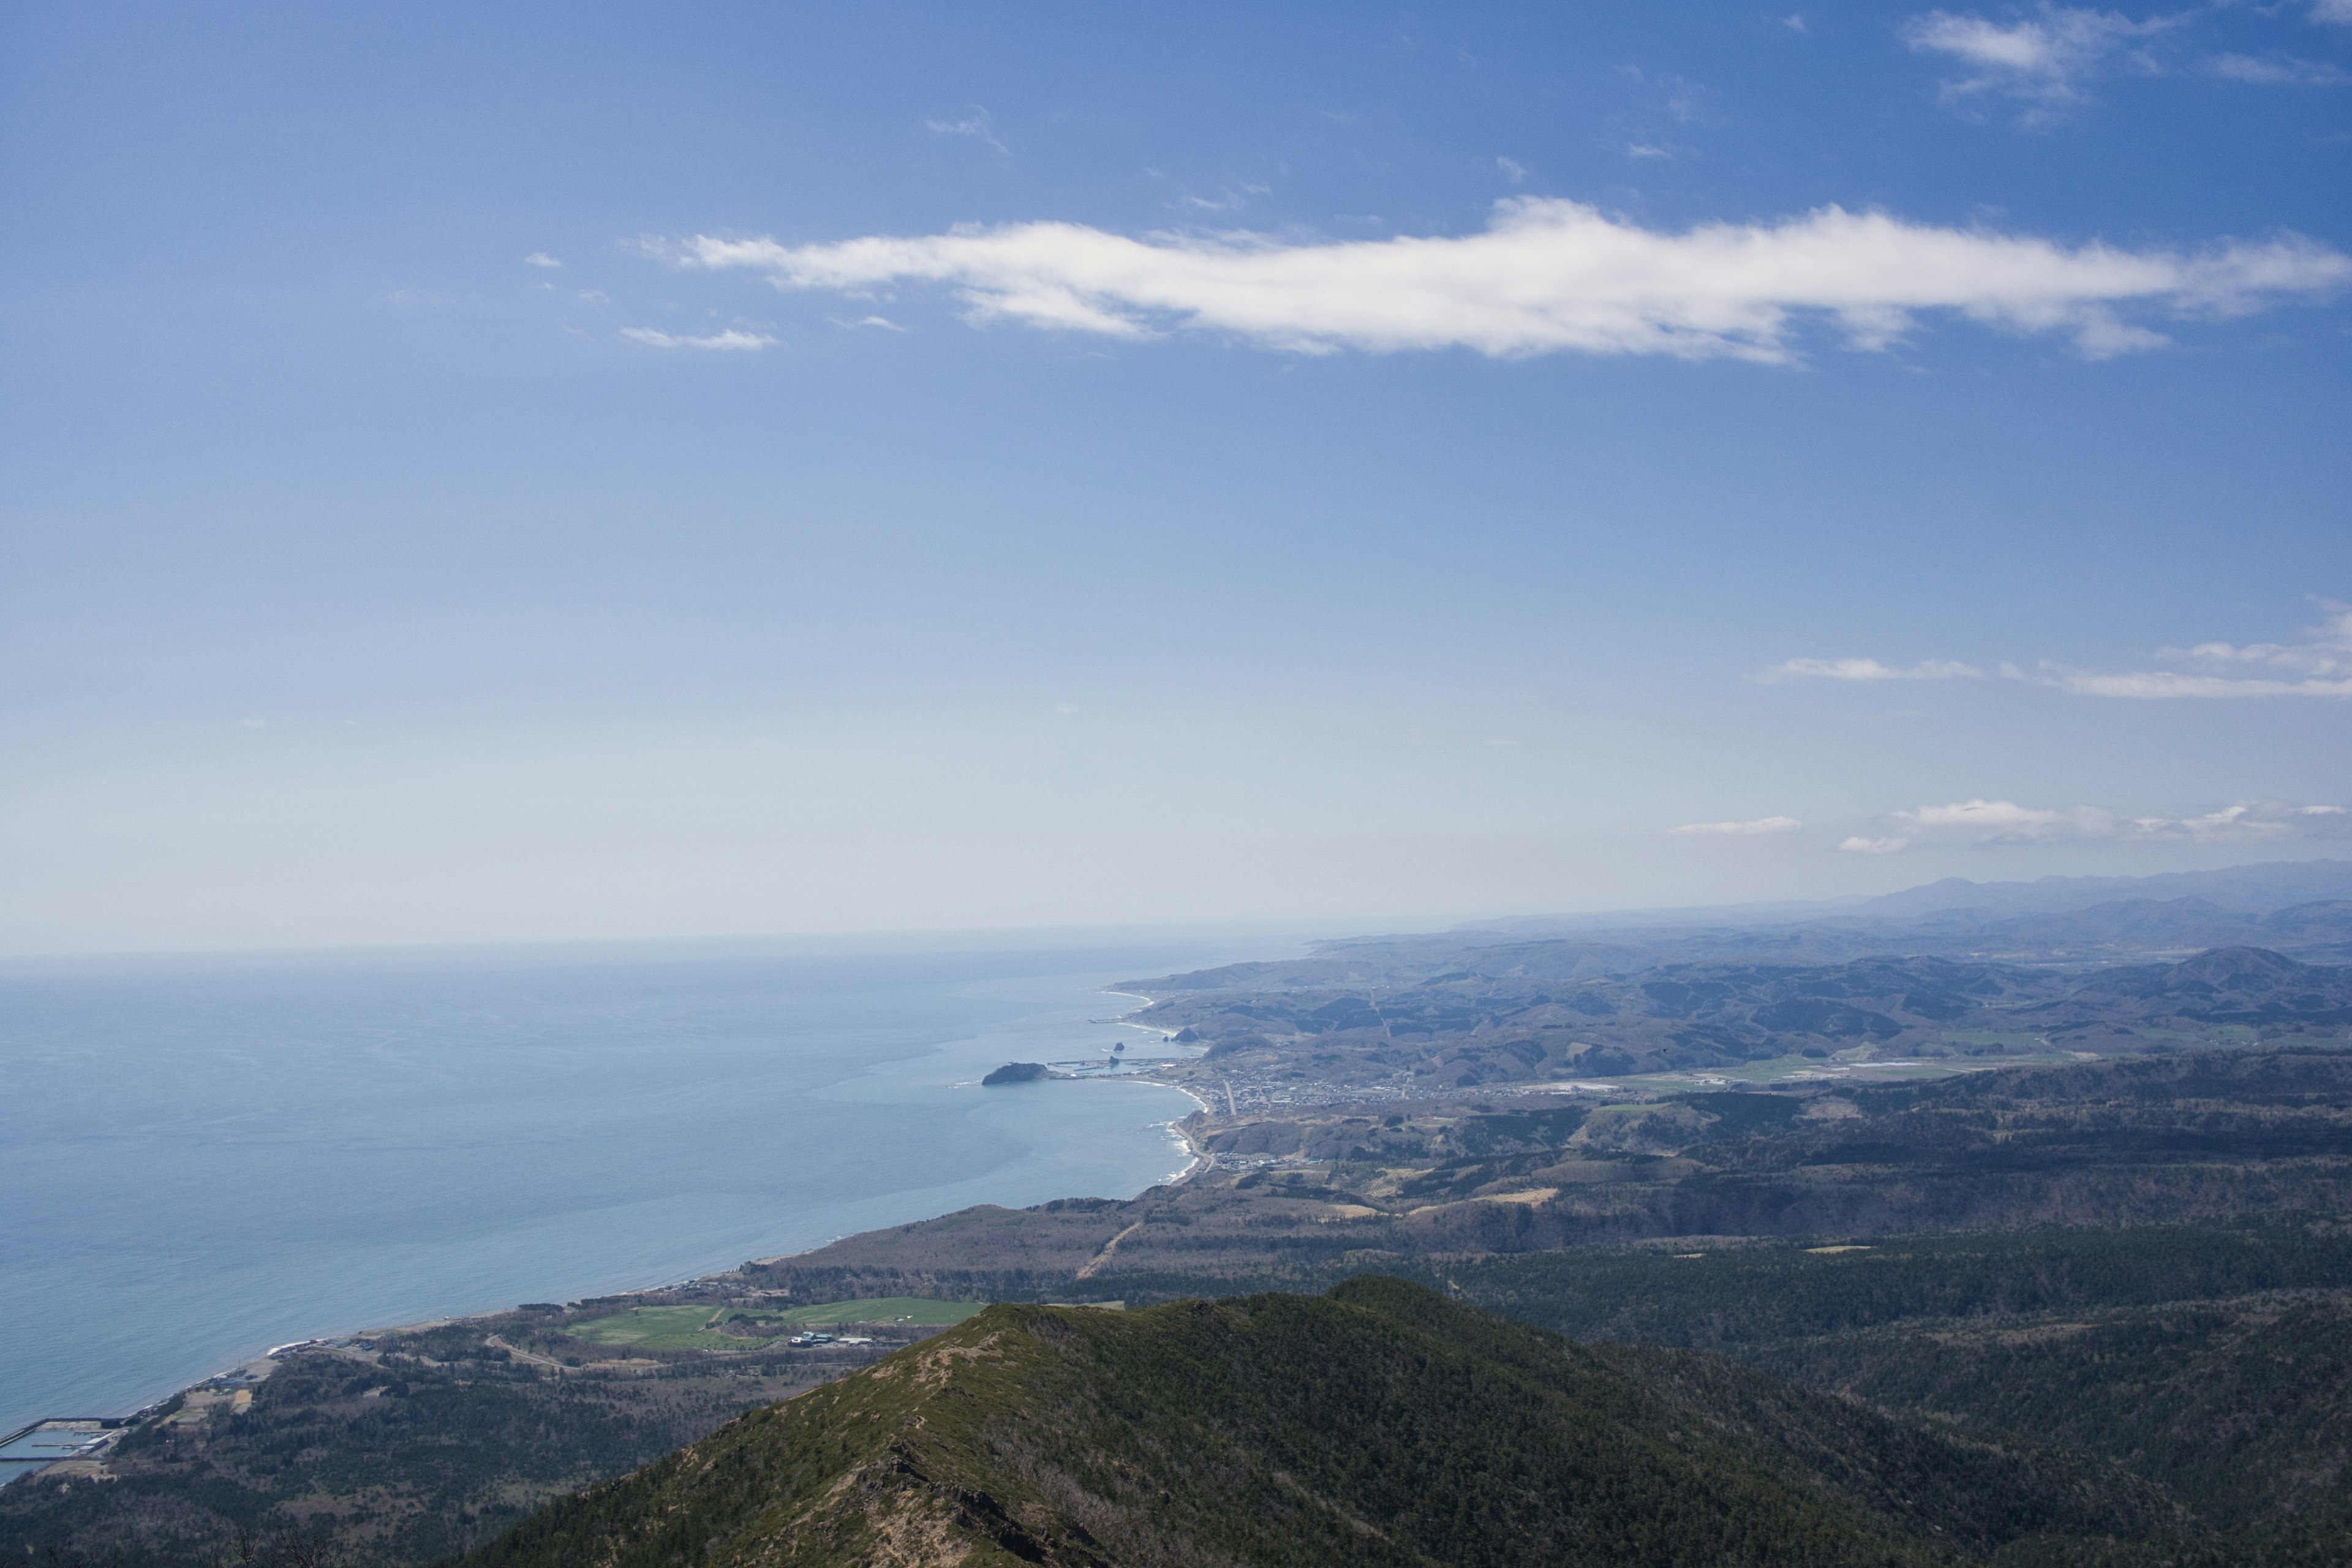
658 1329
2211 1035
912 1309
688 1328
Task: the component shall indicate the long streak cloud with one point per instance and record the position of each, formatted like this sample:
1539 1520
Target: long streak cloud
1549 275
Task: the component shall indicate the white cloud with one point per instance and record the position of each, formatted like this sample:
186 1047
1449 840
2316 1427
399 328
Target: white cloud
540 258
975 125
1794 21
2042 61
1983 818
1860 845
2319 666
1971 821
1552 276
1865 670
1511 170
1741 830
2340 11
730 338
2277 70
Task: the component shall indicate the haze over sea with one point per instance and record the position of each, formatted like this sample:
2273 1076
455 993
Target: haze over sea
200 1158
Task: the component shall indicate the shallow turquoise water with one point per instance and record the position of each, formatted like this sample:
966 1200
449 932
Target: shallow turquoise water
199 1160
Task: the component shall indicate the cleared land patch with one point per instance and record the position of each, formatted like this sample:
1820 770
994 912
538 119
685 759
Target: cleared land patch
699 1328
655 1327
910 1309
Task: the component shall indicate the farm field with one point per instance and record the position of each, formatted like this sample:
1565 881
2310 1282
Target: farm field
658 1328
696 1327
914 1310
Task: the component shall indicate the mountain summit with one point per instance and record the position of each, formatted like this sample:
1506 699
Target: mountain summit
1378 1426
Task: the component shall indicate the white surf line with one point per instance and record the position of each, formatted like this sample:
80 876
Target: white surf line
1147 1029
1194 1157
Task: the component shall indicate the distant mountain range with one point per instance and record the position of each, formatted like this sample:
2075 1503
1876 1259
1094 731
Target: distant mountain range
2300 908
1952 969
2258 889
2245 889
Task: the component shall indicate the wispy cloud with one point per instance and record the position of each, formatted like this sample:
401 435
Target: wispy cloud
1865 670
1971 822
2043 61
975 125
540 258
2277 70
1511 170
1228 199
731 339
2047 60
1684 100
1740 829
2319 666
1552 276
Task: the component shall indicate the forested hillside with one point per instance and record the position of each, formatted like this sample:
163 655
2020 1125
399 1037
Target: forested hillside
1378 1427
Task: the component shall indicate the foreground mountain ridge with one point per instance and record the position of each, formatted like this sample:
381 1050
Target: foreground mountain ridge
1378 1426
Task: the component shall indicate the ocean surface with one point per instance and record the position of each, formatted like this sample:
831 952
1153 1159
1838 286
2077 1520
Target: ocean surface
200 1159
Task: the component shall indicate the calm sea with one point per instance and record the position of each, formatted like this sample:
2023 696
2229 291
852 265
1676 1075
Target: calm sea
200 1159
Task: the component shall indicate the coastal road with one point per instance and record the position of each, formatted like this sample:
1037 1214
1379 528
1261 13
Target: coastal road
497 1343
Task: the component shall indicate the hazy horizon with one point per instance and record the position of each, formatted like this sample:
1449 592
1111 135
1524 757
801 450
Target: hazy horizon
1277 935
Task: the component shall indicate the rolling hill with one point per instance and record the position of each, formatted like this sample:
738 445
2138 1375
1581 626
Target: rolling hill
1378 1426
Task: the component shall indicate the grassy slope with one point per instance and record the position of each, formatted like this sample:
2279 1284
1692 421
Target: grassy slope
1380 1425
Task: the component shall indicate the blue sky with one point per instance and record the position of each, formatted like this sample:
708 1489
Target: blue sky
498 473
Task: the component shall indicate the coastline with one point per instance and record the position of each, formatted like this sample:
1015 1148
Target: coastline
87 1459
1196 1159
